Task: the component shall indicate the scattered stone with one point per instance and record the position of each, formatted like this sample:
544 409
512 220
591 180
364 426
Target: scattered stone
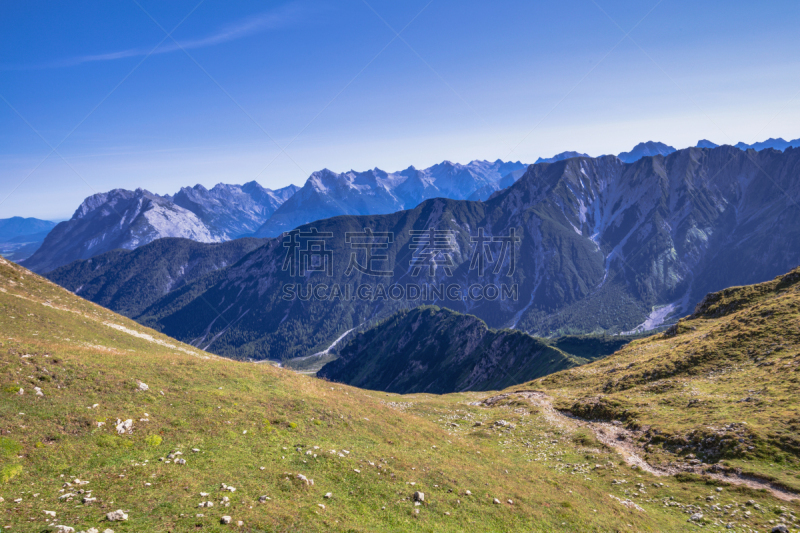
780 529
117 516
468 493
180 461
263 499
419 496
321 506
143 386
510 502
496 501
305 480
50 513
206 504
328 495
696 517
123 427
65 529
225 520
38 391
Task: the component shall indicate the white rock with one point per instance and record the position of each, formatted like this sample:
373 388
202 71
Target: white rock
419 496
123 427
65 529
696 517
21 392
240 523
116 516
510 502
92 530
180 461
328 495
50 513
263 499
38 391
321 506
225 520
496 501
303 478
143 386
468 493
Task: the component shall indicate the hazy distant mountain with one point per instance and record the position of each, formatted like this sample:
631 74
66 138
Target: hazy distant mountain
21 237
705 143
604 246
129 281
777 144
117 219
13 227
647 149
233 211
561 157
327 194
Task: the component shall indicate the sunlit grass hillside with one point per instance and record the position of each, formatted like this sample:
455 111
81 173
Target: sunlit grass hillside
195 428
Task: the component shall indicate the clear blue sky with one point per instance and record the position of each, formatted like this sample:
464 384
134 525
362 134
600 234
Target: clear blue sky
333 86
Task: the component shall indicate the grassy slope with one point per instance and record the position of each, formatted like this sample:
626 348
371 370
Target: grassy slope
56 341
737 360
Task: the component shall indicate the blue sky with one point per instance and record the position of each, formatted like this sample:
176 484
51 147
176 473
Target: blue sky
273 91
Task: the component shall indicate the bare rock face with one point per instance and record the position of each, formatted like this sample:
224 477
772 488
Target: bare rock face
117 219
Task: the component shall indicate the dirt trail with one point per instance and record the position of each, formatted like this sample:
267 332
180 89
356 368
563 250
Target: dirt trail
625 442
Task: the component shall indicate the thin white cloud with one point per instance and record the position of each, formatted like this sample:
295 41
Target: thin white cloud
270 20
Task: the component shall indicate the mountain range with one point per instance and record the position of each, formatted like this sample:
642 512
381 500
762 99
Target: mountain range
231 211
128 219
604 246
327 194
